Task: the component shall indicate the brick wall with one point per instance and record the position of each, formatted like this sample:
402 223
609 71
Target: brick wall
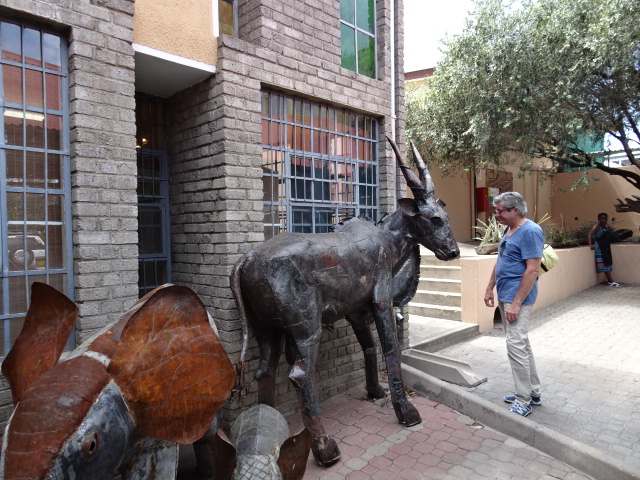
103 158
216 165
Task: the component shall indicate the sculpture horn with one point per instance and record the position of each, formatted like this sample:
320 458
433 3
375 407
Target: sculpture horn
412 180
425 176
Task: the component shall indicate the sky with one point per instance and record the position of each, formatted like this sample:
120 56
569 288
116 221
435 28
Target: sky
425 24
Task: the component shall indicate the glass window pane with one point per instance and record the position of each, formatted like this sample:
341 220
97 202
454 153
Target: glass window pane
348 47
13 127
35 208
35 169
55 177
366 55
54 132
35 129
34 88
52 52
32 51
10 39
12 84
347 11
54 91
15 168
225 15
15 207
366 15
55 246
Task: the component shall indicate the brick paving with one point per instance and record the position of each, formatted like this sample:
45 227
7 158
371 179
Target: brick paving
446 445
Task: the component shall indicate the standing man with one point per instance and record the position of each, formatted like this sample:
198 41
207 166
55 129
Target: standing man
516 278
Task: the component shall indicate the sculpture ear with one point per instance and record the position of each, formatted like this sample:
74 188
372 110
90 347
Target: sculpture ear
225 456
171 367
409 206
294 453
45 332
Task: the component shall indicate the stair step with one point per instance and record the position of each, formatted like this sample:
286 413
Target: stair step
447 299
438 311
440 284
431 260
438 271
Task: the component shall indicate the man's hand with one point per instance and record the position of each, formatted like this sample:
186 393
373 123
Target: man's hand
512 312
488 298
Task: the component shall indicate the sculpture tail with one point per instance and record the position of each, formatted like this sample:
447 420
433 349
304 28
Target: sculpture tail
236 393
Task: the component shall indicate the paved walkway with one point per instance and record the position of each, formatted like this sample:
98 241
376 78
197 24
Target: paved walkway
588 357
587 353
446 445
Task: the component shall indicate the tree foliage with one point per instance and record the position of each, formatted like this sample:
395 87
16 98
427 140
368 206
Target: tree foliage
544 78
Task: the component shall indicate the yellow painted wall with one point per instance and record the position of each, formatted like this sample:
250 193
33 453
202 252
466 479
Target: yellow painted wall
582 206
178 27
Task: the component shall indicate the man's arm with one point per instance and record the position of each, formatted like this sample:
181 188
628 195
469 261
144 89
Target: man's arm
488 295
528 279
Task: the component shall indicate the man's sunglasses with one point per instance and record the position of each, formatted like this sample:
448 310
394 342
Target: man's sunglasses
501 248
501 211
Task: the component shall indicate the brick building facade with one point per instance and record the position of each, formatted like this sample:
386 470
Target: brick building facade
204 188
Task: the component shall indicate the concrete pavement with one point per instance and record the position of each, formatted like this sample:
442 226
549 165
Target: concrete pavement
586 350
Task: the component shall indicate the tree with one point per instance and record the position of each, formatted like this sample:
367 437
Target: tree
546 78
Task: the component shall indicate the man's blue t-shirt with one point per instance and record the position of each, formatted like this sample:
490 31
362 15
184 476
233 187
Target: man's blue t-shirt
525 243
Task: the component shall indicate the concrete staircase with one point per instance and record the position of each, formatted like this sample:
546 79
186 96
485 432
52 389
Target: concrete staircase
438 294
435 313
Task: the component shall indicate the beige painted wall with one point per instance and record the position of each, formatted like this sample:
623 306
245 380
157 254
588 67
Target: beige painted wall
574 272
458 193
177 27
582 206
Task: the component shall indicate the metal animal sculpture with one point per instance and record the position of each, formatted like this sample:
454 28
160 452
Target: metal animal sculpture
292 285
260 449
123 400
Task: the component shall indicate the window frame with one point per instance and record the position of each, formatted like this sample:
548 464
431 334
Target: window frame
281 185
45 191
356 29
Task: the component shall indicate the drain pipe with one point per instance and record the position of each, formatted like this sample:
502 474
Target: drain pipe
392 35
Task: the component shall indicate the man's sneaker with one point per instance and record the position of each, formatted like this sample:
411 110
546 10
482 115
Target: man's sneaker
520 409
537 401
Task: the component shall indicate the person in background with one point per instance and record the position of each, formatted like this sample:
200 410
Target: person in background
516 278
599 238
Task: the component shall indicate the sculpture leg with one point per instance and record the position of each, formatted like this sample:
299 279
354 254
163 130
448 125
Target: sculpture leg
365 338
325 449
407 414
270 343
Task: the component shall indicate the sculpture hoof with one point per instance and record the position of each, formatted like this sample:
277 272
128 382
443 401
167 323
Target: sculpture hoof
325 450
410 416
376 392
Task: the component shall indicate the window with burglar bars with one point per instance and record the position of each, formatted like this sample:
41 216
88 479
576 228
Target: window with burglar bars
35 202
154 252
320 165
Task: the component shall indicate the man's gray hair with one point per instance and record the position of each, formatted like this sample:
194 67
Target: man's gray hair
510 200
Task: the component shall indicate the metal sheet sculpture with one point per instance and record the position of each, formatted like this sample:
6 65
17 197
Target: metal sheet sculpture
260 449
292 285
122 401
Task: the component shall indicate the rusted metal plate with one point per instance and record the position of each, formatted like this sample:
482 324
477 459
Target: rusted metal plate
50 411
174 373
45 332
294 453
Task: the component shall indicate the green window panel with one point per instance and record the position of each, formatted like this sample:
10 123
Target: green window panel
358 36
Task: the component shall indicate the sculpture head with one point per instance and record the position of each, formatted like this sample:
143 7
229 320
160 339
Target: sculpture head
429 223
260 447
159 372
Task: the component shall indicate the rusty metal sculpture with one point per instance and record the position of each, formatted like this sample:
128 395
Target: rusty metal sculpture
122 401
291 286
260 449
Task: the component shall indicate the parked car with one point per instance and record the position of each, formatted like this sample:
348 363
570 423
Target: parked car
23 251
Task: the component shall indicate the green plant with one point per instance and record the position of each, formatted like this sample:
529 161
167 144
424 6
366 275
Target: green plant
490 232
